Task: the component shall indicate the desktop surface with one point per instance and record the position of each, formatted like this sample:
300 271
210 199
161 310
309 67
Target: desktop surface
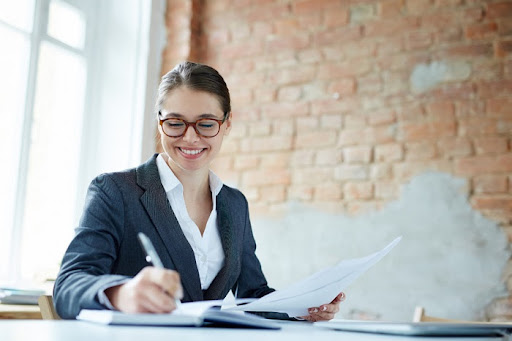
25 330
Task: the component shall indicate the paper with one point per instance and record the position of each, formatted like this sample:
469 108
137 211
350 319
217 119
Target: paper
317 289
119 318
199 307
19 296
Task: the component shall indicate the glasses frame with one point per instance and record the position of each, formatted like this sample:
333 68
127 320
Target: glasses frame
193 124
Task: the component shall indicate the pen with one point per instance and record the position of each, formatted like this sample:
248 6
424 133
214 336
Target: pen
152 256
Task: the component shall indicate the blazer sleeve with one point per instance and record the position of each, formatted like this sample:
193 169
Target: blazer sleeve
87 264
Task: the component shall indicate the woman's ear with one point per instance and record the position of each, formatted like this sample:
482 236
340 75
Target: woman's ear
228 124
160 132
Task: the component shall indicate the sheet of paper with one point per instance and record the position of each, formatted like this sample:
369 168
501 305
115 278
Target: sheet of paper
199 307
317 289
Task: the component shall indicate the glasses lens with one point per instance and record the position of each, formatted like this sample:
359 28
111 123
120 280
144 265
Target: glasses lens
207 127
173 127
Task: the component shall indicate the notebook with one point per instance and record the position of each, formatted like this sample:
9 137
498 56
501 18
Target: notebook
420 328
209 317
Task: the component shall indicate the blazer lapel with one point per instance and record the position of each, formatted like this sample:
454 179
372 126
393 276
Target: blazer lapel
156 204
222 283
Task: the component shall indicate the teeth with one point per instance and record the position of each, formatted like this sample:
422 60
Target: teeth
191 151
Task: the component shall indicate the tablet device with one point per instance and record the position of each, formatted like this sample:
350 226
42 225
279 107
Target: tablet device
420 328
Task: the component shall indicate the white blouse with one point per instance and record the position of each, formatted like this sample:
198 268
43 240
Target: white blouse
208 247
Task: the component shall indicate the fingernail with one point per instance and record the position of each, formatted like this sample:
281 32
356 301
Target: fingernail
315 310
324 308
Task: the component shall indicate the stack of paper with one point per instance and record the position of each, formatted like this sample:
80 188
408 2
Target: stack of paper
19 296
317 289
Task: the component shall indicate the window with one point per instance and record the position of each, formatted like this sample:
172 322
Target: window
68 68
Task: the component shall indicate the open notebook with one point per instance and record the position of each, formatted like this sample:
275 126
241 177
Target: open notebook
194 314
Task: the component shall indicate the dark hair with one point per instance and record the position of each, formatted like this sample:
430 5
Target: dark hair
198 77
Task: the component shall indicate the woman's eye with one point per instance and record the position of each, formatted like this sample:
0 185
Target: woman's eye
207 124
174 124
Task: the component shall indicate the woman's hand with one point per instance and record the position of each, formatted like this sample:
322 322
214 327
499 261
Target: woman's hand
325 312
153 290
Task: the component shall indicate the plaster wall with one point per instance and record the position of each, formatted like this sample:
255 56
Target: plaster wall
450 259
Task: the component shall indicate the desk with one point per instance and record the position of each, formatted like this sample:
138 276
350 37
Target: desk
19 311
47 330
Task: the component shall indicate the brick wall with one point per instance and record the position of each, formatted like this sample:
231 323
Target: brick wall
337 103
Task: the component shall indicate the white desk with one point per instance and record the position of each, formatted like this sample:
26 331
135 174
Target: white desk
28 330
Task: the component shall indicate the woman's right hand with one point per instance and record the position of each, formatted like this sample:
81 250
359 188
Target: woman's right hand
152 290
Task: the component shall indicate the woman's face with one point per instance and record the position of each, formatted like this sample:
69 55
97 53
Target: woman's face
192 152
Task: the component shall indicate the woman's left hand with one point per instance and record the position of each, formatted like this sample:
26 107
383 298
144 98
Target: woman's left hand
325 312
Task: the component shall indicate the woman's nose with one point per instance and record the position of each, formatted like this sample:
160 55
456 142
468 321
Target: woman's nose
190 134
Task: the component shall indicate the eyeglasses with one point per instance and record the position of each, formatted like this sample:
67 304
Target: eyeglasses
205 127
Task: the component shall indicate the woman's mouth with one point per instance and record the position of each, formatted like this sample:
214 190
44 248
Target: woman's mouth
191 152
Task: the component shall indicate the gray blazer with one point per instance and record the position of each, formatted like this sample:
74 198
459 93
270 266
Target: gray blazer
105 249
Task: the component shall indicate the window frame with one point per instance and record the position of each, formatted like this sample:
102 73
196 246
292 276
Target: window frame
150 38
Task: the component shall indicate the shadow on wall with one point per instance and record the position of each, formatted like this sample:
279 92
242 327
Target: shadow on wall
450 259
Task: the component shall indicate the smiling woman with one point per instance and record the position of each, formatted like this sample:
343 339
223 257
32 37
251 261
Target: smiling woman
200 226
55 117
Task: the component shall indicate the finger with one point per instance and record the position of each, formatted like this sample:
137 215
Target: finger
148 306
135 299
307 318
329 308
155 300
171 283
324 312
148 294
168 280
325 308
313 310
340 298
322 316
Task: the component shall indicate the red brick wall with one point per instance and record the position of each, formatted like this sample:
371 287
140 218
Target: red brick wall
323 105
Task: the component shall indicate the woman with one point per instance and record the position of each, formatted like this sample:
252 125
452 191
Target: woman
200 227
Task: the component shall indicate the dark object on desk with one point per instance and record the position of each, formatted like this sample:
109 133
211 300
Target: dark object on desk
421 329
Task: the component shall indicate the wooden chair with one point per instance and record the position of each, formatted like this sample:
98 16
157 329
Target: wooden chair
47 309
419 316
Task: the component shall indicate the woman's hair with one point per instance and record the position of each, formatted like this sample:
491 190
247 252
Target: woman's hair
197 77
